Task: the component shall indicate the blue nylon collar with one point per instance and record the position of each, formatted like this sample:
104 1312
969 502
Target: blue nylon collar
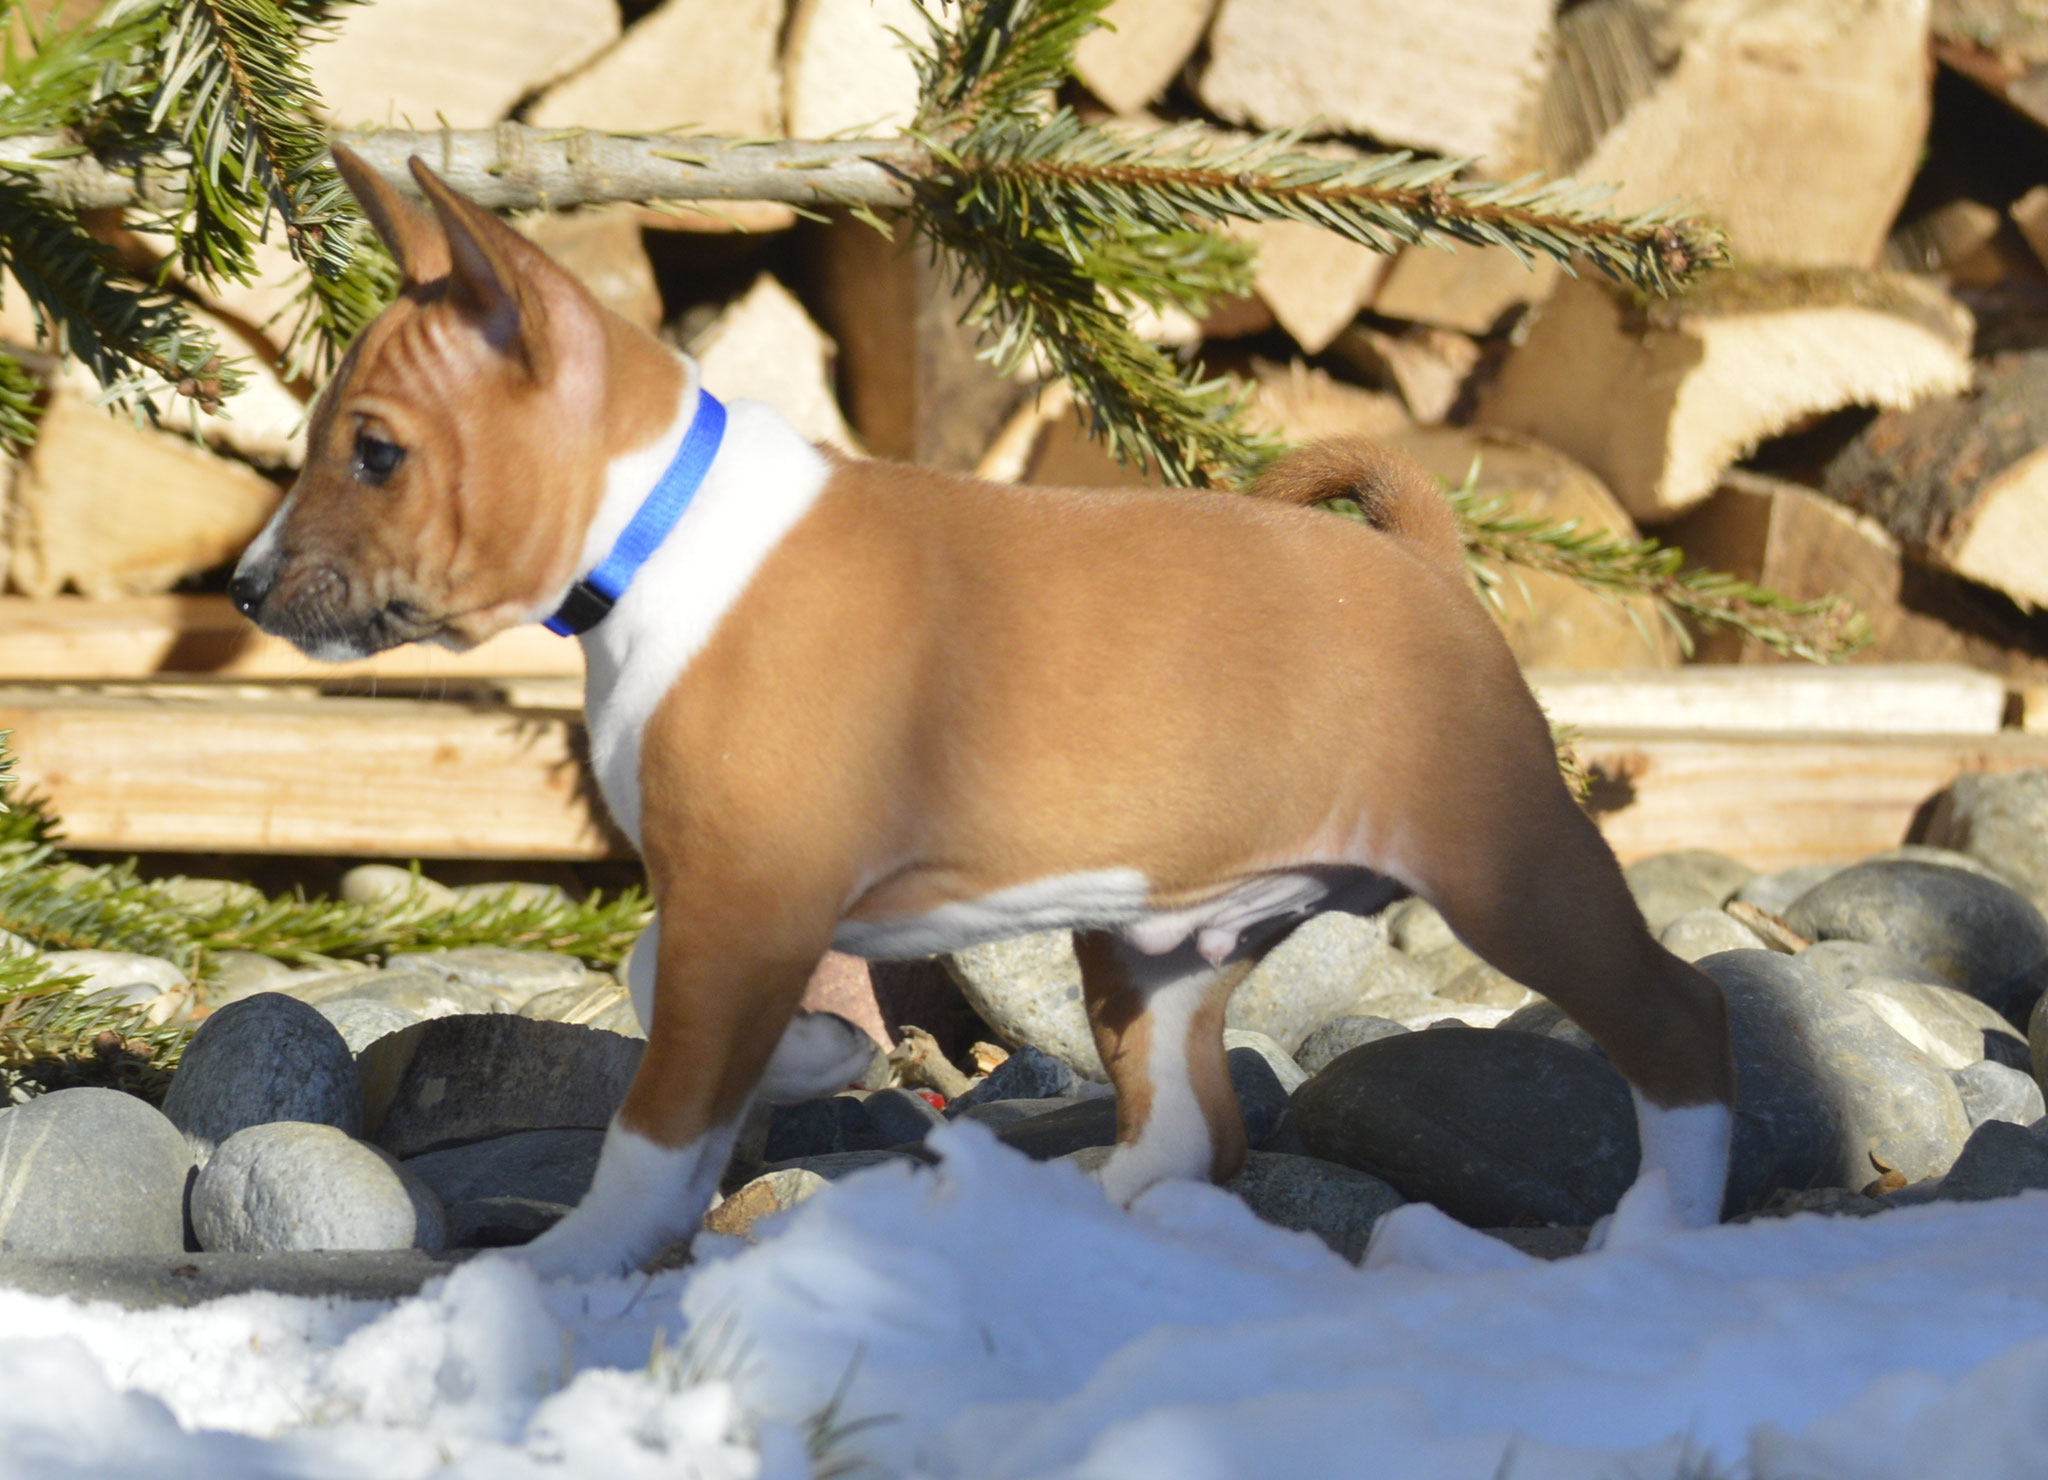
591 598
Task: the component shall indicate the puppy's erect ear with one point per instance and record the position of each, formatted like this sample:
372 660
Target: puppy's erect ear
490 266
414 237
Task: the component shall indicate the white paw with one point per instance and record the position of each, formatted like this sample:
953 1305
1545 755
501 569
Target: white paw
578 1248
1645 1214
819 1053
1418 1236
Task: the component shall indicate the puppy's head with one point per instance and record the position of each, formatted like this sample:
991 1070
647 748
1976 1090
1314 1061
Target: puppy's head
457 457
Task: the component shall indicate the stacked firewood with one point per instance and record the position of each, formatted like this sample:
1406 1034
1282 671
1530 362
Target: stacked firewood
1856 405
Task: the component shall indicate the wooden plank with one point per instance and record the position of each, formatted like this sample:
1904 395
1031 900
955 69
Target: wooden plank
70 637
411 778
1870 699
152 772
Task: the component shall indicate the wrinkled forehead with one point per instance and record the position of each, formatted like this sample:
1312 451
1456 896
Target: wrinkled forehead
409 354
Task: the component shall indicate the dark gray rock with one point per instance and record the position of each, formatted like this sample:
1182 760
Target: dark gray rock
513 977
1667 885
1983 936
901 1115
265 1058
1700 933
1055 1134
2000 1160
288 1186
182 1280
550 1166
1777 891
501 1222
1493 1128
1341 1035
1548 1020
1260 1098
1027 1074
2001 821
1822 1085
1841 963
821 1127
1338 1204
2037 1040
458 1079
1995 1091
1290 1074
996 1114
837 1164
90 1173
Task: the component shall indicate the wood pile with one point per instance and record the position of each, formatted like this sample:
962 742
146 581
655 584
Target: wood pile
1855 406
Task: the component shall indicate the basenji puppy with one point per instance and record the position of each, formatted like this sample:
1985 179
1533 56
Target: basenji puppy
843 703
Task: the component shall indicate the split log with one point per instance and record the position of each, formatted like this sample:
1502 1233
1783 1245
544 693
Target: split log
1456 77
845 71
2030 214
1659 401
1313 280
464 62
603 250
1963 482
909 379
1130 61
1804 545
709 66
113 509
766 348
1957 239
1427 366
1470 290
1551 621
1788 698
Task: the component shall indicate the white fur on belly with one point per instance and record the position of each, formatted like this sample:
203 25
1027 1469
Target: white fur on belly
1087 901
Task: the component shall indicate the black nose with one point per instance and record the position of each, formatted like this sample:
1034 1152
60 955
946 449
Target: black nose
247 594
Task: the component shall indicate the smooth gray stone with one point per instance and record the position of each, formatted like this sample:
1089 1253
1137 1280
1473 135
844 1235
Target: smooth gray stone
1486 985
821 1127
1397 977
361 1021
292 1187
583 1002
1822 1084
395 890
515 977
1994 1091
1338 1204
552 1166
1705 933
1952 1028
839 1164
181 1279
1984 937
90 1173
2001 821
2000 1160
1261 1099
1340 1034
127 977
420 994
1415 926
1841 963
265 1058
901 1115
1290 1074
1310 977
1027 1074
501 1222
460 1079
1547 1020
1493 1128
1054 1134
1667 885
1777 891
620 1018
996 1114
233 975
1941 857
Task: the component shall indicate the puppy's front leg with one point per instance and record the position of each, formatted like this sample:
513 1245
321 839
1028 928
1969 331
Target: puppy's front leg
720 1005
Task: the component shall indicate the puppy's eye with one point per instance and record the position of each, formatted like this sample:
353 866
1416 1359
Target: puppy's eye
377 459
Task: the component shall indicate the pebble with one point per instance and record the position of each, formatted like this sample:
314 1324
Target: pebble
2000 1160
209 896
771 1192
1493 1128
292 1186
518 893
837 1164
2001 821
265 1058
393 888
1029 990
1285 1069
1027 1074
457 1079
1983 936
361 1021
419 994
821 1127
514 977
2037 1039
1415 926
1952 1028
1700 933
1668 885
996 1114
87 1173
1941 857
1337 1204
901 1115
1261 1098
1058 1132
233 975
119 978
1776 892
1309 978
550 1166
582 1002
1547 1020
1339 1036
1823 1084
501 1222
1995 1091
1486 985
1842 963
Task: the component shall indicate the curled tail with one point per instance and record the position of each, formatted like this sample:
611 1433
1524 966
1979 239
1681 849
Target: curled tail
1395 493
